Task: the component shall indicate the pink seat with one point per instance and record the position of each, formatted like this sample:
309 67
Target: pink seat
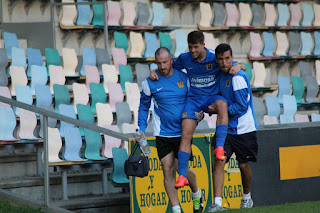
268 120
211 120
119 57
209 41
232 15
282 44
4 91
298 118
80 95
114 13
56 76
110 142
256 45
115 95
271 14
295 14
129 13
92 75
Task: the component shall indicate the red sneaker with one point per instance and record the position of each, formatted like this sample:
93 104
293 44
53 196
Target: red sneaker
219 153
181 182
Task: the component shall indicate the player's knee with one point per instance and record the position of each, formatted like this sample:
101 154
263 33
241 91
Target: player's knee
244 166
167 170
221 106
219 164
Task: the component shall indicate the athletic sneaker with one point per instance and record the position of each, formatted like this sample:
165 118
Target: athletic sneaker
245 204
181 182
216 208
219 153
197 204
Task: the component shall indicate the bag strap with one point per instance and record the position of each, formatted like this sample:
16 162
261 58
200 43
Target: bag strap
134 150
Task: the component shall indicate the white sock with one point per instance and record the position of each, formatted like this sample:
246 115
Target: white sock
246 196
196 194
218 201
177 208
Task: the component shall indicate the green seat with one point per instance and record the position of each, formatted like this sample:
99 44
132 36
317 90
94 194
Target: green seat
84 114
125 75
118 177
52 57
297 88
61 96
98 14
93 144
165 40
121 41
248 71
98 95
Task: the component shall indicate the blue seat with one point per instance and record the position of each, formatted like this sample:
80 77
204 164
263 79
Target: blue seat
142 72
102 58
315 117
66 110
181 43
283 14
84 13
18 57
284 87
7 123
259 109
34 58
3 65
73 144
23 94
10 40
307 43
273 106
89 57
295 43
123 114
118 177
39 76
85 114
316 50
43 95
153 66
308 15
269 44
151 44
158 13
52 122
289 109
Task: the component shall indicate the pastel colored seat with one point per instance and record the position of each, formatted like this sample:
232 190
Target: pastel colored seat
121 40
151 44
283 14
61 96
123 113
305 70
115 95
69 14
119 57
69 61
153 66
315 117
286 119
104 114
245 14
312 89
5 92
84 13
54 145
18 77
18 57
52 57
132 95
118 177
209 41
98 95
142 72
110 142
102 58
7 123
219 15
295 14
269 44
256 45
93 144
165 40
158 13
298 118
259 109
269 120
308 15
125 75
271 15
232 15
23 94
3 65
273 106
289 105
284 87
295 43
10 41
52 123
73 144
109 75
205 15
98 14
39 76
143 14
92 76
28 123
259 74
297 88
307 43
282 44
66 110
85 114
114 13
34 58
211 120
88 58
249 72
137 45
129 13
80 95
316 8
258 15
43 95
317 66
56 76
316 50
181 43
202 125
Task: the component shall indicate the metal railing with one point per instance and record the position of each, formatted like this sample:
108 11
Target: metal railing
46 113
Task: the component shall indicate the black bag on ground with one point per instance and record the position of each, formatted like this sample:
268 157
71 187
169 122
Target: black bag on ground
136 165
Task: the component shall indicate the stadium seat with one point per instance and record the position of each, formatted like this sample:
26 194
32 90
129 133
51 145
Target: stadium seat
312 89
110 142
307 43
219 15
52 57
259 74
316 50
209 41
102 58
137 45
3 65
142 72
205 15
69 61
283 14
129 129
69 14
158 13
18 57
259 109
23 94
295 43
316 8
61 96
125 75
232 15
211 120
115 95
317 66
80 95
129 13
258 15
271 15
66 110
84 114
308 15
295 14
92 76
121 40
123 113
245 14
202 125
7 123
119 57
305 70
28 123
39 76
315 117
297 88
282 44
104 114
98 14
109 75
52 122
256 45
268 120
18 77
54 145
34 58
5 92
269 44
56 76
114 13
118 177
88 58
181 43
299 118
143 14
43 95
289 109
286 119
132 95
98 95
165 40
84 13
249 72
73 144
10 41
93 144
151 44
273 106
284 87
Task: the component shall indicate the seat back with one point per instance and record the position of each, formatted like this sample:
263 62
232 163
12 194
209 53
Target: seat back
286 119
283 14
69 14
316 50
136 45
110 142
121 40
70 61
88 58
143 14
209 41
271 15
232 15
315 117
316 8
98 14
259 74
165 40
295 14
245 14
297 88
259 109
142 72
269 44
102 58
158 13
28 123
3 65
61 96
115 95
5 92
52 122
305 70
66 110
34 58
92 76
258 14
125 75
202 125
317 67
312 89
7 123
18 77
282 44
249 72
104 114
52 57
56 76
98 95
39 76
93 143
114 13
284 87
219 14
132 95
119 57
84 13
118 177
123 113
299 118
255 45
307 43
151 44
268 120
18 57
273 106
54 145
205 14
295 43
308 15
73 144
10 41
109 75
181 43
85 114
129 13
80 95
289 105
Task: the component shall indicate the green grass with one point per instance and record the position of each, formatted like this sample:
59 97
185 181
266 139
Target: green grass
307 207
11 207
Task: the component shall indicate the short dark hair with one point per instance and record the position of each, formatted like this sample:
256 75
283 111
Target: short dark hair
222 48
195 37
161 50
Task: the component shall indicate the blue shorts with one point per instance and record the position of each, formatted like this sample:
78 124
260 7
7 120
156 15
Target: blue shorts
198 103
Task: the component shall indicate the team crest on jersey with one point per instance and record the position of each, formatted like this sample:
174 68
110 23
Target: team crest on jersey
184 114
209 67
228 83
180 84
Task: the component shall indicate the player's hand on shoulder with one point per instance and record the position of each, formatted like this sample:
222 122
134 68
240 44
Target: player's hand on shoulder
236 68
199 115
153 75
